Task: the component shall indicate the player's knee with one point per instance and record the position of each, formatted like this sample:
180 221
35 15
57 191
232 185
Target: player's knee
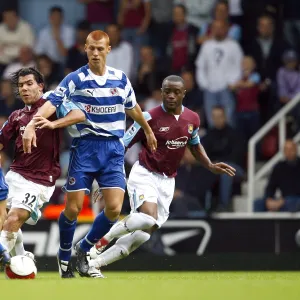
14 222
113 213
72 211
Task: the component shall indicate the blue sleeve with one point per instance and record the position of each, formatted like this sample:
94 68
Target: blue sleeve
130 100
195 139
63 91
131 135
203 30
65 108
255 78
235 32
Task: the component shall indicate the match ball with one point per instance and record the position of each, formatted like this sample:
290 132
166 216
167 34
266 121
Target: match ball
21 267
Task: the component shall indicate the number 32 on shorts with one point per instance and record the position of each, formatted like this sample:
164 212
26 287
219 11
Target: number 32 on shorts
29 200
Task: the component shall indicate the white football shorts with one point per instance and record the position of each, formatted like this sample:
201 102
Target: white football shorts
27 195
144 185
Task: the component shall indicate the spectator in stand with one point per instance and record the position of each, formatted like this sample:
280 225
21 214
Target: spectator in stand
76 57
221 13
161 25
55 39
291 15
8 101
267 51
99 13
288 81
183 46
51 72
222 142
150 73
284 179
193 97
134 17
14 34
288 77
25 60
198 11
218 66
121 54
247 91
253 9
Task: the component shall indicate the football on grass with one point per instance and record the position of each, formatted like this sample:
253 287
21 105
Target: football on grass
21 267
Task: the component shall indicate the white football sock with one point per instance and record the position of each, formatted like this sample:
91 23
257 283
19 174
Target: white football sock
122 248
133 222
19 246
8 239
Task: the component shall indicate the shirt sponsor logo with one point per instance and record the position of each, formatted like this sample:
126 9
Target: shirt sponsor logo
99 110
164 129
177 143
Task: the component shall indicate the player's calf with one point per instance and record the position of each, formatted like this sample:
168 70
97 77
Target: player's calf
15 219
122 248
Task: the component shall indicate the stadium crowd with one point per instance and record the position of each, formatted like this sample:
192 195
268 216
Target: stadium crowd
239 60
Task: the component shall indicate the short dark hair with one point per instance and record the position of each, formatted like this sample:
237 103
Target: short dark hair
220 107
173 78
114 25
183 7
58 9
83 25
39 78
266 16
10 9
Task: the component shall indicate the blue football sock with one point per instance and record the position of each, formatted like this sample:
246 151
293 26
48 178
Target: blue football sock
66 231
99 228
2 248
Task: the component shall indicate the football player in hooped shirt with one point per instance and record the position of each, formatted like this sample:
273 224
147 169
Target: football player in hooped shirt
151 181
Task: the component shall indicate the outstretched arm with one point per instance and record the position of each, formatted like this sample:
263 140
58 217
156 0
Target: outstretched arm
73 117
200 155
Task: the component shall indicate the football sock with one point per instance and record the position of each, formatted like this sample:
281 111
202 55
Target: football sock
19 246
66 231
122 248
2 248
8 239
99 228
134 221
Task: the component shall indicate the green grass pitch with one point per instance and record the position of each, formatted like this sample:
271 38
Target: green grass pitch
157 286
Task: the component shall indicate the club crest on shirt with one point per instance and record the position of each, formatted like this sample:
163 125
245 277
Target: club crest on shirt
72 181
114 91
141 197
190 128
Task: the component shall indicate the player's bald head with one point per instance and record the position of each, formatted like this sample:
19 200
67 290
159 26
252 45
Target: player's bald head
172 79
97 35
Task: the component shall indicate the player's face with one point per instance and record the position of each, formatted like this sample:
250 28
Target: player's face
97 51
29 90
172 95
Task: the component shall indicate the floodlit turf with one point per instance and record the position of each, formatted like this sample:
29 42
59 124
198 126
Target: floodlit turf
156 286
